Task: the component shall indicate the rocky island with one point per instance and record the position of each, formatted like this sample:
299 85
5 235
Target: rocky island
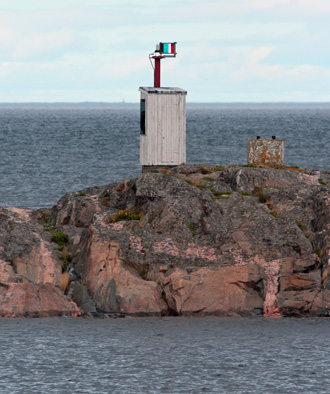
191 240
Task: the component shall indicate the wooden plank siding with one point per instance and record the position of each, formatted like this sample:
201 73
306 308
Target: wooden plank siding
164 141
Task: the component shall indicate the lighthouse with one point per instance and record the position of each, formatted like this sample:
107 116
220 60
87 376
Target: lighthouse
162 118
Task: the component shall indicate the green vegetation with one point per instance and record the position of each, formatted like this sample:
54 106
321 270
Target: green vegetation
126 215
218 168
301 225
317 252
261 194
81 194
105 201
208 179
250 165
60 238
218 197
204 170
246 194
192 228
275 214
144 270
321 182
66 257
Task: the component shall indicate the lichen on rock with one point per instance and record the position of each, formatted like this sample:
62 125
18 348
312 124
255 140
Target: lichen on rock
207 240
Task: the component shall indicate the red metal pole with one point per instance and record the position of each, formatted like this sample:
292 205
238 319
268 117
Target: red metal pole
157 71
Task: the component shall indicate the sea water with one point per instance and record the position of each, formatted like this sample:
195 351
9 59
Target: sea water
165 355
49 150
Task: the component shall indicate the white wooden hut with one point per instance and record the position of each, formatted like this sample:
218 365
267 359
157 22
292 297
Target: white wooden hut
163 126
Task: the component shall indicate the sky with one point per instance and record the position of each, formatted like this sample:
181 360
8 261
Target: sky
227 50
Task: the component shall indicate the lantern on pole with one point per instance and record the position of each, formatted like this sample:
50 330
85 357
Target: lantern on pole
163 49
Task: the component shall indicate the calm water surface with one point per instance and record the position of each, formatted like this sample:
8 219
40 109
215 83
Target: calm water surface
49 150
169 355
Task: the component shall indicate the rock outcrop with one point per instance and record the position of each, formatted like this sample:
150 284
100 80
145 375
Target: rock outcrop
193 240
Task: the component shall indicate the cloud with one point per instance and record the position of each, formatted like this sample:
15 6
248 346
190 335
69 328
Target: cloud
226 48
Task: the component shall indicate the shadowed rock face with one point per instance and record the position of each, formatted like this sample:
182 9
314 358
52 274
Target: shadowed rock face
209 241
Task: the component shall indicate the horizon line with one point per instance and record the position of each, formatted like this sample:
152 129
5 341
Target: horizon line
137 102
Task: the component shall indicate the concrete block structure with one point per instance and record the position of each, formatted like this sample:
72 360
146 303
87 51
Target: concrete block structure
268 152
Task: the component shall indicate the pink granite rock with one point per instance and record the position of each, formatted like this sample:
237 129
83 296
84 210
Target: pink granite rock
30 270
233 241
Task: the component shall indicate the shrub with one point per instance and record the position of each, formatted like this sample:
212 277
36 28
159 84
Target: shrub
60 238
126 215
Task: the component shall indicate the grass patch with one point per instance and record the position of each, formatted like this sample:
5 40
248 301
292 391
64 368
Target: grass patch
218 168
126 215
105 201
208 179
204 170
123 186
261 194
250 165
321 182
317 252
46 225
218 193
275 214
44 222
219 197
144 271
301 225
192 228
81 194
246 194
